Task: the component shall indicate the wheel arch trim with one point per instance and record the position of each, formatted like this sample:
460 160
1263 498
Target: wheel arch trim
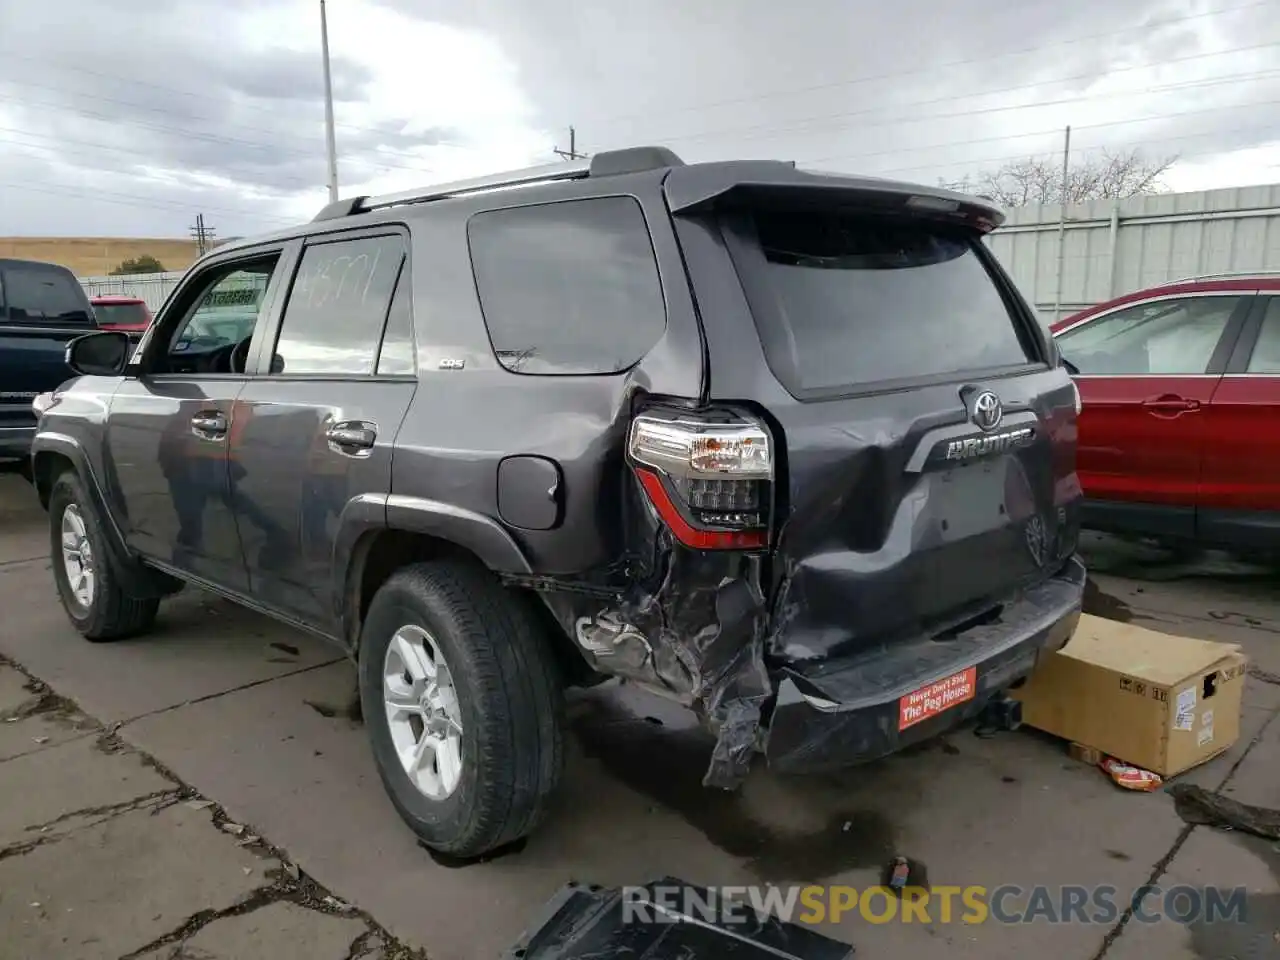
367 513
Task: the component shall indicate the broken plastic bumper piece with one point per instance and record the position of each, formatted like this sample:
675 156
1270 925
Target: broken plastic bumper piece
665 920
837 713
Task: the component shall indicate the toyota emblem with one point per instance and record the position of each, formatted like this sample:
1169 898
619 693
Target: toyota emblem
987 411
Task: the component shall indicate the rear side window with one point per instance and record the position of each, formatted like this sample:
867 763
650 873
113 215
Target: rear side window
568 288
44 296
336 311
111 314
853 300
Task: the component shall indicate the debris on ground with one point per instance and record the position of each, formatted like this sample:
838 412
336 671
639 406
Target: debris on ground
1086 754
199 804
1198 806
899 873
1130 777
582 922
235 829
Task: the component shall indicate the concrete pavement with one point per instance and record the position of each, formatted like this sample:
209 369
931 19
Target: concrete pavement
256 717
106 854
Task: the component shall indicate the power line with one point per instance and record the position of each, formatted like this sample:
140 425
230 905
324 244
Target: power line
136 200
1144 28
823 120
667 111
1008 158
1054 131
765 130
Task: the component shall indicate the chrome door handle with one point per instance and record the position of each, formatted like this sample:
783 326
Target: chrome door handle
352 436
212 425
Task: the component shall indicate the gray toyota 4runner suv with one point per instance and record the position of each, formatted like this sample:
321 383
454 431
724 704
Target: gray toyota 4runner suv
785 446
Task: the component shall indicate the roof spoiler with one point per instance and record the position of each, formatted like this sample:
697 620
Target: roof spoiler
701 187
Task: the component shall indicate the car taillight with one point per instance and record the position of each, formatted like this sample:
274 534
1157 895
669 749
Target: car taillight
709 482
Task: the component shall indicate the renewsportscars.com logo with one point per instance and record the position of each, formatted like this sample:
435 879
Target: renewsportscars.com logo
1007 904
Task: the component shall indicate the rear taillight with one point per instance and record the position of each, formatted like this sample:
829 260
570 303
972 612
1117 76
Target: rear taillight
709 482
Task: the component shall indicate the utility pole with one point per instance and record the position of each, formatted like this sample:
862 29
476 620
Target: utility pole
202 234
572 153
330 140
1062 225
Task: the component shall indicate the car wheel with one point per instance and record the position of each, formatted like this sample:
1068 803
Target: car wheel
464 707
82 568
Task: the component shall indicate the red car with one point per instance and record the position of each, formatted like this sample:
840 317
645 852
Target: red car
1179 437
121 313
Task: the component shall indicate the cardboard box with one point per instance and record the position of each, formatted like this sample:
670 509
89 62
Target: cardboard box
1156 701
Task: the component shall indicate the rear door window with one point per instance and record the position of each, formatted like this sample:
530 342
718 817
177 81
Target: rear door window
1265 358
570 287
844 300
1173 337
337 309
36 295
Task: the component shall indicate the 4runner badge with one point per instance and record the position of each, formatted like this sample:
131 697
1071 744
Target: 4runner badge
972 447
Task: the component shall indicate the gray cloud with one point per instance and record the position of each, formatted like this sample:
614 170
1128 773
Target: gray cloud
183 112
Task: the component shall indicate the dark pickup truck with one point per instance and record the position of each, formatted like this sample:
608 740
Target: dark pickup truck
42 308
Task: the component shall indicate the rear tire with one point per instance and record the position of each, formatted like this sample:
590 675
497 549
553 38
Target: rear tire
451 627
90 587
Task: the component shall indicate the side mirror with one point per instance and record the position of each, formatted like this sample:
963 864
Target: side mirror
102 354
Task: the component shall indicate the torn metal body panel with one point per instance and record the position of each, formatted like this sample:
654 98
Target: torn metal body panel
665 920
691 628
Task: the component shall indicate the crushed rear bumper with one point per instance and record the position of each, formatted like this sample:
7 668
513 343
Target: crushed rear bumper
838 713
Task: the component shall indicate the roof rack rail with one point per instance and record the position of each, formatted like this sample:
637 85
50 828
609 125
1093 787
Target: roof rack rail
1228 275
606 164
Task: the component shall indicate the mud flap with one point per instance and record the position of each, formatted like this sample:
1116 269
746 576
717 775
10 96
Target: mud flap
652 922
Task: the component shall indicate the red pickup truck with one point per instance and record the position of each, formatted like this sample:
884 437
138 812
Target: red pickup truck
1179 437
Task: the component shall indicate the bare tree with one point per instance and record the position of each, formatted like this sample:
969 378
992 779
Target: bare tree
1039 179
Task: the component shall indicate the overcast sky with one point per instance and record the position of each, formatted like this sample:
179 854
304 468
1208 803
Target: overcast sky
130 122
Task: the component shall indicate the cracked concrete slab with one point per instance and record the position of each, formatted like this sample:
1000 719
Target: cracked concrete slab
32 718
201 646
1179 923
106 890
281 931
1013 809
14 695
1255 781
49 787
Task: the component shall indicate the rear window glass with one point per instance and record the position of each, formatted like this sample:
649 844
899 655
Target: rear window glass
568 288
859 299
41 296
110 314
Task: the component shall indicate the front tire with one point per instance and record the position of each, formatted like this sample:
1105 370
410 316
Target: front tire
464 707
82 568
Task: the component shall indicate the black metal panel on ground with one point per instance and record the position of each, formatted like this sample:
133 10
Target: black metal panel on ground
582 922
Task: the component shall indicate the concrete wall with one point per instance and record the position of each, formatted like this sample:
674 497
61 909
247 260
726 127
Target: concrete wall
95 256
1111 248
